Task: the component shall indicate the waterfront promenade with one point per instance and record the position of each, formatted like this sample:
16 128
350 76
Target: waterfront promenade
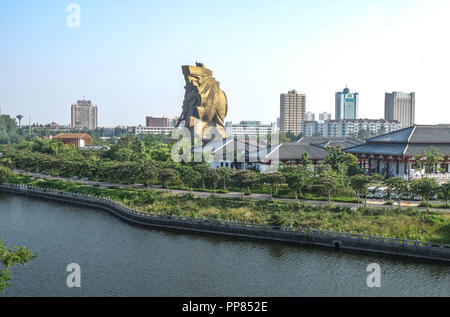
373 203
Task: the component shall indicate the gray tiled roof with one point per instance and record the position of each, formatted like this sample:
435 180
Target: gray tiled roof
400 136
328 141
410 141
226 144
431 134
312 140
417 149
378 149
344 143
293 151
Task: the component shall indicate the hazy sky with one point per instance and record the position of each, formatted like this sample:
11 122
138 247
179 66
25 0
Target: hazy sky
127 55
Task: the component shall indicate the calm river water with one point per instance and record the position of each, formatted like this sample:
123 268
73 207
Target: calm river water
119 259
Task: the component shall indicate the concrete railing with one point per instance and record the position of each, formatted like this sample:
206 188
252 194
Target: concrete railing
344 240
432 175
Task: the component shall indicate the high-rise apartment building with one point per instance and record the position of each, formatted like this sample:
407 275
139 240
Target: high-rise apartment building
324 116
400 106
84 115
292 112
347 105
310 116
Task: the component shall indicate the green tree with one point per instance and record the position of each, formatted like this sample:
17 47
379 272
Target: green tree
148 172
432 158
245 179
426 188
273 180
5 174
297 178
398 186
224 174
417 164
203 169
8 130
10 258
212 178
330 180
188 176
445 192
168 176
305 161
338 160
360 183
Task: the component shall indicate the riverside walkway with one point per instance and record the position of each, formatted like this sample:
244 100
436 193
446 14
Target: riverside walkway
233 195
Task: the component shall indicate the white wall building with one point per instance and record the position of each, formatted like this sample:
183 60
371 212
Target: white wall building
153 130
312 128
344 128
250 128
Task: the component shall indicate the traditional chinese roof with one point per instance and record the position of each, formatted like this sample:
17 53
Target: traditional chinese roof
295 152
329 141
72 136
407 142
243 148
290 152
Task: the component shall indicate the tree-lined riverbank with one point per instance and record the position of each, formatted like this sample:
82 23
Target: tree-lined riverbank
412 224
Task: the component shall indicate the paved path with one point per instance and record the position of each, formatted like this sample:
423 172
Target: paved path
370 203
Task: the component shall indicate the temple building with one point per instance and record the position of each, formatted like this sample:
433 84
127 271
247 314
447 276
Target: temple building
395 153
292 153
79 140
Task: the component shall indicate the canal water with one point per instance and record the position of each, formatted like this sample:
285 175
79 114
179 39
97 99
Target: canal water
119 259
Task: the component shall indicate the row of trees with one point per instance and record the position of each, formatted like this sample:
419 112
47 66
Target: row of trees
8 130
425 188
148 161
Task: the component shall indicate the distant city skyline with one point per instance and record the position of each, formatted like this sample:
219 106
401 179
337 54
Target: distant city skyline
257 49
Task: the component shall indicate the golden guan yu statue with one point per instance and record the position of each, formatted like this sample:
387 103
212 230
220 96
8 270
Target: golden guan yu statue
205 104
